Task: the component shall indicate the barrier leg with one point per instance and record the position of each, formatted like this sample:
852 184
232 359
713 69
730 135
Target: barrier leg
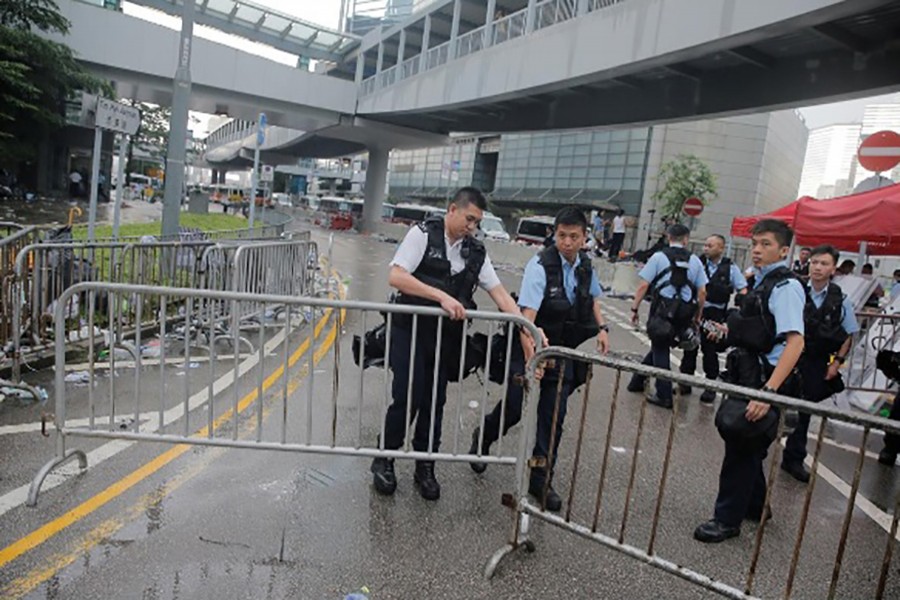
38 480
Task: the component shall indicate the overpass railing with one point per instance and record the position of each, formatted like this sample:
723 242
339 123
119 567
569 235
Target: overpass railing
546 14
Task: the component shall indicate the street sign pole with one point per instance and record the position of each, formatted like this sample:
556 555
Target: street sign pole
95 176
178 124
120 185
254 175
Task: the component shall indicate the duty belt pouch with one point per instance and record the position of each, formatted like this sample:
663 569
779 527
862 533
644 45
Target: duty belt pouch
745 369
660 326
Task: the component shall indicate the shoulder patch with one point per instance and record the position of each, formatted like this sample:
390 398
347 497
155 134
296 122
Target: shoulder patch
782 283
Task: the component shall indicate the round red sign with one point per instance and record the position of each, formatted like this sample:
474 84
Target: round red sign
692 207
880 151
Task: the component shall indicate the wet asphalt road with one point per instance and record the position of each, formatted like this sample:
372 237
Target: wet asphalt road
214 523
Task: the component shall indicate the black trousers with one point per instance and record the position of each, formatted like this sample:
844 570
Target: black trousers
660 357
891 440
709 348
546 406
812 372
742 482
421 368
616 245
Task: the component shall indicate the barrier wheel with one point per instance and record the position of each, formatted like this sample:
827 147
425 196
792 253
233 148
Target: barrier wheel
529 546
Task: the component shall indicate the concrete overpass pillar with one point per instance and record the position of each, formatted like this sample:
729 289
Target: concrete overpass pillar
376 181
529 16
222 175
426 39
489 23
454 27
581 8
215 176
380 62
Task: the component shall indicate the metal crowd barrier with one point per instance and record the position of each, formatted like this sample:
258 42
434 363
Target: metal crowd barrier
42 271
283 267
878 331
621 489
15 238
341 413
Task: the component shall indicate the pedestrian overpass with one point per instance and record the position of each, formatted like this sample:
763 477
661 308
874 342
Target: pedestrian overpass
499 65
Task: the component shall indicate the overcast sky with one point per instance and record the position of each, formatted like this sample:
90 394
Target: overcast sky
327 13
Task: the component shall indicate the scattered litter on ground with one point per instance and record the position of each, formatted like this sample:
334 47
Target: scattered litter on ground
79 377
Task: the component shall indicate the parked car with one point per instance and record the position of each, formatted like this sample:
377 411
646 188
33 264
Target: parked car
533 230
493 229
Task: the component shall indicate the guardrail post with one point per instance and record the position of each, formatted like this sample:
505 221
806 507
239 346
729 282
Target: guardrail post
529 16
426 39
488 35
454 30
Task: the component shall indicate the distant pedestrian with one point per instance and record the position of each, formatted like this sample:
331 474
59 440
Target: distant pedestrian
618 235
74 184
895 289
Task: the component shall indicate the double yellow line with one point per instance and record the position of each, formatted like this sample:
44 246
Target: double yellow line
37 537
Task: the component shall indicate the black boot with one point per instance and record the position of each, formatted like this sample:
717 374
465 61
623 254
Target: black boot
429 488
479 467
384 479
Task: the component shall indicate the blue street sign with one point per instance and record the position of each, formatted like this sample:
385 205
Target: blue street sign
261 129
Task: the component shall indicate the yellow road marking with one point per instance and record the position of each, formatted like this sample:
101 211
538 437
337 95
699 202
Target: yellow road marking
45 532
27 583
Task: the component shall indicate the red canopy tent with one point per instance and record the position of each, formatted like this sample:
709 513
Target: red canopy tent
872 217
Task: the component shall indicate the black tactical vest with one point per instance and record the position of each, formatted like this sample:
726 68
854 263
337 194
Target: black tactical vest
825 333
720 286
564 323
434 270
753 326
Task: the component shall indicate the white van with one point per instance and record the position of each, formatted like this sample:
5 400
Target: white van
533 230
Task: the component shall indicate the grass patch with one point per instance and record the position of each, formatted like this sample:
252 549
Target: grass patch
209 222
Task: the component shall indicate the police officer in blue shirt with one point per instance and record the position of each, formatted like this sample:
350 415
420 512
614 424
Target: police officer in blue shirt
561 295
767 335
829 327
724 279
675 282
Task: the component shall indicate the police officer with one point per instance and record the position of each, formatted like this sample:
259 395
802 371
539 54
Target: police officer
829 325
560 293
768 337
438 263
801 265
724 279
675 282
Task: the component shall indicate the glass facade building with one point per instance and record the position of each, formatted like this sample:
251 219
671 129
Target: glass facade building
591 167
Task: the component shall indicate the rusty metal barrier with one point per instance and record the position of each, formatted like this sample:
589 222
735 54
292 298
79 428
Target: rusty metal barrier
176 398
15 239
620 477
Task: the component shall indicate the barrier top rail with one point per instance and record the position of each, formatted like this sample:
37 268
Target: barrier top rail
856 418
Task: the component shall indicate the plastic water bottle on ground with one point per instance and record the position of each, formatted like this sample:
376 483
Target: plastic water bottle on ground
361 594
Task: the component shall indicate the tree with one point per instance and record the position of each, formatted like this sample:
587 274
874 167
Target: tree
683 177
152 137
37 76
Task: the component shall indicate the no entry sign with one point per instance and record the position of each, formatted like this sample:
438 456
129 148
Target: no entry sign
692 207
880 151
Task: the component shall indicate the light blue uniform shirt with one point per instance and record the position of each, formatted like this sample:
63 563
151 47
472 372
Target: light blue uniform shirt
786 304
895 290
848 320
738 281
659 262
534 282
